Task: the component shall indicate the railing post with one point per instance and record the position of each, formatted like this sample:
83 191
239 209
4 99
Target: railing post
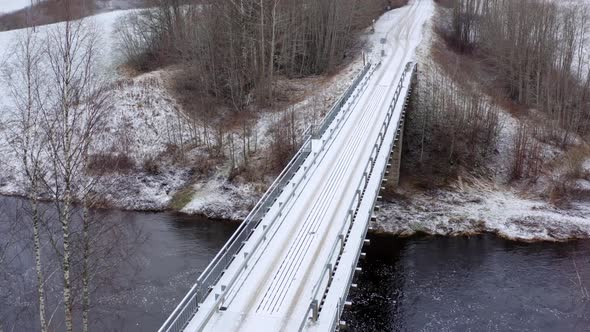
314 310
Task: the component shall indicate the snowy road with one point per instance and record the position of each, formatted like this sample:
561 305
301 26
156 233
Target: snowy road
273 288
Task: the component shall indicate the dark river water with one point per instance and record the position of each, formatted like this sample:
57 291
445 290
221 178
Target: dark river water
480 283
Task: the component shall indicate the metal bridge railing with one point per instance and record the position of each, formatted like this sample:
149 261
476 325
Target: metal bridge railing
331 115
339 243
189 305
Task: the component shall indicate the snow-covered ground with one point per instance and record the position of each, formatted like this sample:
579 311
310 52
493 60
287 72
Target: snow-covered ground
140 123
490 205
146 119
143 120
105 24
471 210
7 6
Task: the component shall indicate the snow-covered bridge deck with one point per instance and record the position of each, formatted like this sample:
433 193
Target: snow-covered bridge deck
291 263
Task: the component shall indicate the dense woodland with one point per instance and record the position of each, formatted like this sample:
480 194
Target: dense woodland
536 50
526 56
231 51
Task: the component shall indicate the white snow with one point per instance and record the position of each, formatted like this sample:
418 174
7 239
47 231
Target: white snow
222 199
7 6
144 119
477 210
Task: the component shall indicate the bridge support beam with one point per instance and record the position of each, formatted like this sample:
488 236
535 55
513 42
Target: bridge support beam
396 157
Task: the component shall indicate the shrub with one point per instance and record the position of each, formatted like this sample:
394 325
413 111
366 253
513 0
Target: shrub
151 166
450 127
109 163
181 198
573 162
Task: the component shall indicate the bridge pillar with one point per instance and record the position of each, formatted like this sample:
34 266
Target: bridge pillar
396 158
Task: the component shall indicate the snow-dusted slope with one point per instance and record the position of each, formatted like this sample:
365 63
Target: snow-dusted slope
7 6
139 122
9 165
109 57
473 206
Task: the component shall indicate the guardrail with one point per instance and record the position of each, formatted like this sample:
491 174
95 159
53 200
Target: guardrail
331 115
339 243
189 305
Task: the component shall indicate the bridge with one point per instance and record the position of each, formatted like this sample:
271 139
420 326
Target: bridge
290 264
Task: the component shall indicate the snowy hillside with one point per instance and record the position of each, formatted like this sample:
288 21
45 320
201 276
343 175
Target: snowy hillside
104 23
474 205
7 6
142 115
146 124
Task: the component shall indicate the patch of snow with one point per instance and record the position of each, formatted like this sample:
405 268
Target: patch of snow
104 23
144 118
501 162
220 199
140 191
473 211
583 184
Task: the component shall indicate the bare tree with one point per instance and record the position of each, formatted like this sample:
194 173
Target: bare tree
71 122
535 50
27 137
449 124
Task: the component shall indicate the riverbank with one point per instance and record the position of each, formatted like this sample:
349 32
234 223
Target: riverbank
470 211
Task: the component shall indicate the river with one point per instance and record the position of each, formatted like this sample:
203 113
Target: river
419 283
479 283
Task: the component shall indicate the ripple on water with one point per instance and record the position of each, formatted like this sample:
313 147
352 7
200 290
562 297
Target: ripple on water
470 283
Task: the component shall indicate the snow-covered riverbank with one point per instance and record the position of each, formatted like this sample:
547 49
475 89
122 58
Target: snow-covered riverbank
472 211
146 123
494 205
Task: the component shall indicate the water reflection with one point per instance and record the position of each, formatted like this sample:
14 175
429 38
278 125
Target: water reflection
166 255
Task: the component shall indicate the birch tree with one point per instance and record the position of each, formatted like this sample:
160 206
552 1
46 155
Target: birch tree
71 122
27 140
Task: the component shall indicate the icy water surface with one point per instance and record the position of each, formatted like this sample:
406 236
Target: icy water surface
481 283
